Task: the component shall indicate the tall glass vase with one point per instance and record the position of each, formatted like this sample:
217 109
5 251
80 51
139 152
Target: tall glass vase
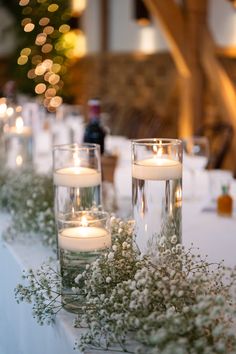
18 143
157 193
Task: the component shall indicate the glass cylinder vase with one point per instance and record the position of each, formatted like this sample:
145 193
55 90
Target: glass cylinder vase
82 238
157 193
18 143
77 177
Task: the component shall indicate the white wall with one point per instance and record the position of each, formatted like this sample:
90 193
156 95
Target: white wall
127 35
91 25
222 22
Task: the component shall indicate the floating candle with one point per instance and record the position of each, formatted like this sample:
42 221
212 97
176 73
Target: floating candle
157 168
77 177
84 238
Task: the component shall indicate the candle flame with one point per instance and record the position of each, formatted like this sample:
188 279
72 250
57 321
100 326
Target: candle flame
84 221
3 108
10 111
19 124
19 160
76 159
158 150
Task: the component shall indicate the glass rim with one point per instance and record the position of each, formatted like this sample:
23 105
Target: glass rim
76 147
152 141
104 216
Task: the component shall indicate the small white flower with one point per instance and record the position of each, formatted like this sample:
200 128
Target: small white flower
174 239
108 280
77 279
114 247
110 255
124 245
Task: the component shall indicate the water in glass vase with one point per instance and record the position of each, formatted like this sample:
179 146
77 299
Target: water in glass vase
73 263
157 211
80 198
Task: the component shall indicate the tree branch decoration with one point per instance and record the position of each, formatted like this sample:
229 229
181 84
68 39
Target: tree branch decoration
170 302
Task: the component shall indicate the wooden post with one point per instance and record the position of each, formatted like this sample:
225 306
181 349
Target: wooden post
195 17
104 26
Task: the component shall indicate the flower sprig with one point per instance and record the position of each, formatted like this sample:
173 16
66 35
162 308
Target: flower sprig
170 302
28 198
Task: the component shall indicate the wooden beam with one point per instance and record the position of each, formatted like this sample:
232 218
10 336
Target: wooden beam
229 52
223 87
168 14
104 26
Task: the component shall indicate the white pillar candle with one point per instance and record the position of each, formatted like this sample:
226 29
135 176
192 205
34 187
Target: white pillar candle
77 177
84 239
157 168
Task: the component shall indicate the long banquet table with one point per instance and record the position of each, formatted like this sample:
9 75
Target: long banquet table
19 331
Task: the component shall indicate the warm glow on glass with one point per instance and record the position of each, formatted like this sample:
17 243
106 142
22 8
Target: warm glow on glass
19 160
10 111
19 124
3 107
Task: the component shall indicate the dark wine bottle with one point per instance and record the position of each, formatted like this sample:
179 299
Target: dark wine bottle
94 132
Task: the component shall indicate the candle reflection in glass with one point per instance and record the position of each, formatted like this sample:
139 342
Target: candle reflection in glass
156 179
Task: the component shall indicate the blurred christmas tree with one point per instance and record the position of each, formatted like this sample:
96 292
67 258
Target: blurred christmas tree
43 52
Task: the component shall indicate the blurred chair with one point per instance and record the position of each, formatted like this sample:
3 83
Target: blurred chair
220 137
